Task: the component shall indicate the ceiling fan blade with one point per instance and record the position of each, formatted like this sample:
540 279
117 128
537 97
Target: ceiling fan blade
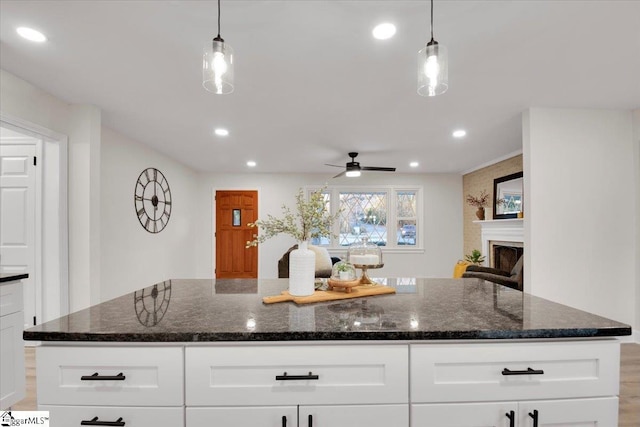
340 174
335 166
376 168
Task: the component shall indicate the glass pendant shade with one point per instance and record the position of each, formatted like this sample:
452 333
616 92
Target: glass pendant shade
217 67
433 64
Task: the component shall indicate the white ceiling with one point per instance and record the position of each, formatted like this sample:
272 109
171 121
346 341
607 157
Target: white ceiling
311 82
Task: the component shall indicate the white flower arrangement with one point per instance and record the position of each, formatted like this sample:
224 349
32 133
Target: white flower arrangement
310 220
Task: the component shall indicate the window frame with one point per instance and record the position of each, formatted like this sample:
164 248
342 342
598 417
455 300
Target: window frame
391 194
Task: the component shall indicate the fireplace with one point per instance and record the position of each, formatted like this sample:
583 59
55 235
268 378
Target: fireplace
502 242
504 255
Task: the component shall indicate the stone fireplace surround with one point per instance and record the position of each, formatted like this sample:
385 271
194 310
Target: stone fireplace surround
502 232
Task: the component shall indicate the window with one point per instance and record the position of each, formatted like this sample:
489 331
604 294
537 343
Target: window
385 216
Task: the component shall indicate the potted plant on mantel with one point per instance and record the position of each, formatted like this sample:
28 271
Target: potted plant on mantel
479 202
310 220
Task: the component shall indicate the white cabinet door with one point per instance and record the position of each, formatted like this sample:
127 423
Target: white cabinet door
499 414
354 416
258 416
544 413
570 413
12 386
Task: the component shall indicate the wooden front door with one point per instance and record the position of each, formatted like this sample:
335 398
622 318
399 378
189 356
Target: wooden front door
234 210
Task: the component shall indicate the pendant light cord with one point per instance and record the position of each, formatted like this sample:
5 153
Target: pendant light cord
219 18
431 19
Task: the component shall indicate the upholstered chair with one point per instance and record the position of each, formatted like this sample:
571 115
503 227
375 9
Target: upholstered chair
512 279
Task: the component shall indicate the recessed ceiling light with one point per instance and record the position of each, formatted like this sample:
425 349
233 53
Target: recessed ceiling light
251 164
460 133
414 164
31 34
221 132
384 31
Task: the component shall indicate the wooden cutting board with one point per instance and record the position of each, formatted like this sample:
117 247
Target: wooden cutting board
319 296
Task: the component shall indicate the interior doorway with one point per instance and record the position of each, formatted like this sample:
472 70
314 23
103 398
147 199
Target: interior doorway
49 273
234 210
18 207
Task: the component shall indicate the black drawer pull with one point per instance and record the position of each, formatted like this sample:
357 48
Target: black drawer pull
529 371
535 417
96 377
512 418
96 422
286 377
310 420
284 421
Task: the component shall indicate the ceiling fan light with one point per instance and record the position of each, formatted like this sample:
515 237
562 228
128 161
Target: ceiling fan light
433 67
217 67
352 174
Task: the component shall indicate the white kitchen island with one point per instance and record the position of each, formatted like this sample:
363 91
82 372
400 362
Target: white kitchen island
439 352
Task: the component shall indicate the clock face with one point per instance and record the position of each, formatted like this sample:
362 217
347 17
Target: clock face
152 198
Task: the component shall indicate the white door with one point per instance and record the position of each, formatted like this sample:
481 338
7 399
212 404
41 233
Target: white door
17 219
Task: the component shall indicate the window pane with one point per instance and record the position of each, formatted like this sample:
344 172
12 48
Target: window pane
406 230
363 214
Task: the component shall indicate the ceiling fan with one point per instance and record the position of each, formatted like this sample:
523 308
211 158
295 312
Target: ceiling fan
353 168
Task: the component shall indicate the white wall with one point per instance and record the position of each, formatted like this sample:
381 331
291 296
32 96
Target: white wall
131 257
84 205
636 142
581 248
442 222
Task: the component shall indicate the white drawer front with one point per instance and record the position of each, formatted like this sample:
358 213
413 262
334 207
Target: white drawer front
345 374
10 298
474 372
153 376
256 416
71 416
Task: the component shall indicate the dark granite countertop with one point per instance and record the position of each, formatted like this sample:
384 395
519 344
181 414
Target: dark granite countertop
232 310
10 277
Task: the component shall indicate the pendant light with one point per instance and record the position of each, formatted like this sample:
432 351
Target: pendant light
433 64
217 64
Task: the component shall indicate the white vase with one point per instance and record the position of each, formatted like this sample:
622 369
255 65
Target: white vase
302 271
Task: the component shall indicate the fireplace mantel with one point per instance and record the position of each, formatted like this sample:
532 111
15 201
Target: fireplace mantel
500 230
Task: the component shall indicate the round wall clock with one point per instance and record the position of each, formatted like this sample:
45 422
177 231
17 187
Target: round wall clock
152 198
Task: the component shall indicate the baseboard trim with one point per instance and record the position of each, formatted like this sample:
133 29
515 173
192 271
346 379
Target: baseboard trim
633 338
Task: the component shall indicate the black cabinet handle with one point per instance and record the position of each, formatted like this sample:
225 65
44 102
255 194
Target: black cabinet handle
310 421
286 377
284 421
535 417
512 418
95 422
529 371
96 377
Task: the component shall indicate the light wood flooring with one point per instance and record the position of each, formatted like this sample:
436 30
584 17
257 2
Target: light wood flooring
629 385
